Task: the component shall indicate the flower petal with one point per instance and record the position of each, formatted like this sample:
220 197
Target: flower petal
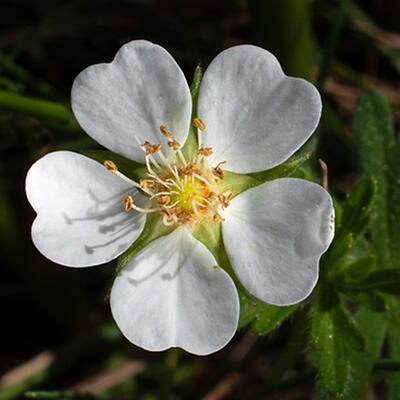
81 220
140 90
172 295
256 116
275 235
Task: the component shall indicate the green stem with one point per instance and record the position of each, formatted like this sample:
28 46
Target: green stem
42 108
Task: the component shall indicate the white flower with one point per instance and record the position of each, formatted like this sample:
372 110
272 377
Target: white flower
251 117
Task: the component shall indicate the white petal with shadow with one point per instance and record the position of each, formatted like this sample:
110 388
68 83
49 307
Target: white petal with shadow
256 116
140 90
275 235
81 220
171 295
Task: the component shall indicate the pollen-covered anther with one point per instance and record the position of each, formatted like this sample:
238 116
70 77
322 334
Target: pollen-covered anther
212 196
217 218
223 200
217 171
165 132
145 183
189 169
110 166
151 148
128 203
205 151
174 144
198 123
163 200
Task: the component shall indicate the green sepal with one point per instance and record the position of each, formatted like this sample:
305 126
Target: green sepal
333 333
131 169
241 182
191 145
153 229
265 317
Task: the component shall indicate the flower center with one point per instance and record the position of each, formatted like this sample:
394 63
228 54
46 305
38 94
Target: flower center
183 192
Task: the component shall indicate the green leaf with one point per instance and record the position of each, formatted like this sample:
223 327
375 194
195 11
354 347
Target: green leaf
191 146
153 229
354 220
131 169
370 299
385 280
373 326
355 216
241 182
266 317
333 333
373 126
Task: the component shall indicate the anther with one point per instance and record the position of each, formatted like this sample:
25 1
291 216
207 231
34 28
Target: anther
223 200
211 196
163 200
151 148
110 166
198 123
217 218
144 183
174 145
205 151
165 132
217 171
189 168
128 203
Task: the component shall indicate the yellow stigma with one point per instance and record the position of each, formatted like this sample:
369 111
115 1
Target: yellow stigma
191 196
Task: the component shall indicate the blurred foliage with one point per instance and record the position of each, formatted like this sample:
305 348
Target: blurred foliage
58 340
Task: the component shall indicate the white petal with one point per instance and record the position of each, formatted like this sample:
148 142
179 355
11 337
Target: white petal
140 90
81 220
170 295
256 116
275 235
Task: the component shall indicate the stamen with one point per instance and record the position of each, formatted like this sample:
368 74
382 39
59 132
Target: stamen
217 218
151 148
212 196
168 221
181 156
205 151
189 169
199 124
163 193
152 174
114 170
223 200
110 166
217 171
171 205
164 200
144 183
199 204
128 203
166 162
201 178
175 183
194 207
174 145
165 132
